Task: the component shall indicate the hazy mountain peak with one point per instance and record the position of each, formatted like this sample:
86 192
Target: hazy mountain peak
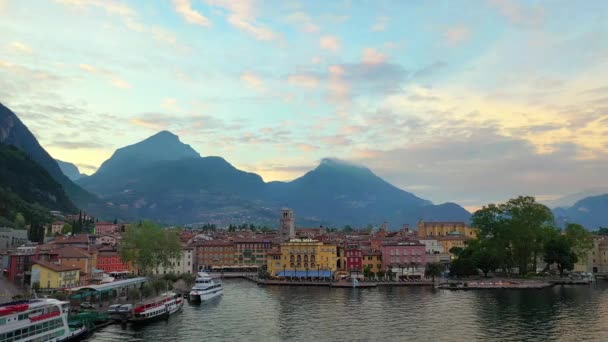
162 146
69 170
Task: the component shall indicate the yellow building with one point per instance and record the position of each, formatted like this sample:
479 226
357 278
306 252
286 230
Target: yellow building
454 239
371 259
301 255
436 229
54 276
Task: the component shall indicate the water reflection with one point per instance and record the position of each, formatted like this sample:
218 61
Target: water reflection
249 312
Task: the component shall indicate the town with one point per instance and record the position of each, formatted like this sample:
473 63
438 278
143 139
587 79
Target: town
69 261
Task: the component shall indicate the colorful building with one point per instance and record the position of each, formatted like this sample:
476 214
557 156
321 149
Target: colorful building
108 260
251 252
352 258
371 259
69 256
214 253
436 229
54 276
302 255
403 254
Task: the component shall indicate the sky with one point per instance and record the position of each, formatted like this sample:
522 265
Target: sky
456 101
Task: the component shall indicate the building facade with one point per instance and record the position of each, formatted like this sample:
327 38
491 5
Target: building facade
352 258
302 255
436 229
54 276
214 253
251 252
371 259
108 260
403 254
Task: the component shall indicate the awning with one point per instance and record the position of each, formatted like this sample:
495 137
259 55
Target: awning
304 274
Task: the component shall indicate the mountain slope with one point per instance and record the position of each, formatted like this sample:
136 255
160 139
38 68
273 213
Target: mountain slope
70 170
28 188
14 132
338 192
591 212
181 187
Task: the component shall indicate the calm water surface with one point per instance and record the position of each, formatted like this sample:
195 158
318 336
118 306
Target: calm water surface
247 312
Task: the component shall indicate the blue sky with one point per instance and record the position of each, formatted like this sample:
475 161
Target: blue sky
465 101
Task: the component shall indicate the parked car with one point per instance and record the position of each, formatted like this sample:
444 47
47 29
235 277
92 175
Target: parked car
86 305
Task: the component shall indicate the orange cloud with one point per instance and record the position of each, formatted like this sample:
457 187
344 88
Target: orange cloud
184 8
330 43
306 81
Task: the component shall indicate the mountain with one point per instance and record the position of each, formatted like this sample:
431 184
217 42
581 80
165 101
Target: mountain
70 170
14 132
570 200
345 193
164 179
27 188
591 212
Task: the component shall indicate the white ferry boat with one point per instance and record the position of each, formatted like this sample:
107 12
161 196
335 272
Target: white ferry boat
158 308
205 288
37 320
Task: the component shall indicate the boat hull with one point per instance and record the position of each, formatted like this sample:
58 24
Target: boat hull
202 296
146 320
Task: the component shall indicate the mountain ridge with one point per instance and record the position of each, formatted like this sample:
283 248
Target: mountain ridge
336 192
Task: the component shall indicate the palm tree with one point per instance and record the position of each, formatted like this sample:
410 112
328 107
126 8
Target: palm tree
433 270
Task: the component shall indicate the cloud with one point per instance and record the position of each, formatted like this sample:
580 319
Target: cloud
307 147
429 70
302 80
372 56
111 77
380 24
241 14
303 21
182 124
184 8
531 16
330 43
252 81
129 17
76 144
456 35
119 83
20 47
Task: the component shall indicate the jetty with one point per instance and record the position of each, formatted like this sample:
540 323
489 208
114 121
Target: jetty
493 285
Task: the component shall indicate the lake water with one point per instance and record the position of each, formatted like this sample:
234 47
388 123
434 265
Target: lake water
248 312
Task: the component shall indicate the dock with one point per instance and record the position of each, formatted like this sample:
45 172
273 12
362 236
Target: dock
510 285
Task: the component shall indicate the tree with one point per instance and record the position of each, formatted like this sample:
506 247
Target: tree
67 228
602 231
347 229
580 239
19 221
514 231
433 270
148 246
559 251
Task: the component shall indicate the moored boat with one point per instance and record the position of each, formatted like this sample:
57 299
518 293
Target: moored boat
205 288
158 308
38 320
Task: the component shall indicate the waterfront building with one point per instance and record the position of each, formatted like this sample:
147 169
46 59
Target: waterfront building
352 257
250 252
210 253
403 254
303 255
182 264
54 276
371 259
10 237
436 229
287 225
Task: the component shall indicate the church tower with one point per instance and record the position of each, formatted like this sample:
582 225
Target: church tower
287 227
